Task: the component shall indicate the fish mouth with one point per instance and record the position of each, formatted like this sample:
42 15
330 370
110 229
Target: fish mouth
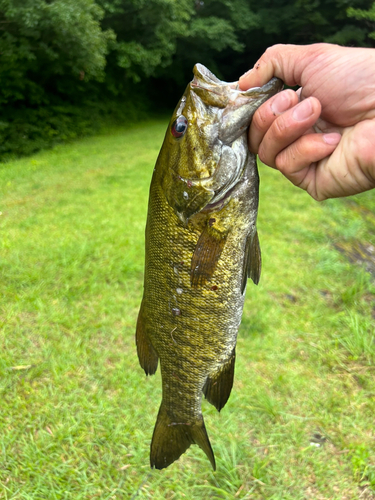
222 94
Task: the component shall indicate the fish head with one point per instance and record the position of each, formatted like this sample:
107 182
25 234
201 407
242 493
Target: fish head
205 147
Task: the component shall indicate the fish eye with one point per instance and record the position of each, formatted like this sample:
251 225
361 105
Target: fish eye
179 126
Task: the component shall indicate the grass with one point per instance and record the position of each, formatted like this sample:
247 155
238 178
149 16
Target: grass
77 412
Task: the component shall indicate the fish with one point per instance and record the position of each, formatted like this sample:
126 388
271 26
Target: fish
201 247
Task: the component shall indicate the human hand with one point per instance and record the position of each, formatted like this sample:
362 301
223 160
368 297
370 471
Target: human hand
322 137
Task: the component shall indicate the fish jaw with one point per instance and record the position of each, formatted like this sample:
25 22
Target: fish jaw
241 108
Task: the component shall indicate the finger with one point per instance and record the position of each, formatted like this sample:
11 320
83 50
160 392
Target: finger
267 114
288 128
322 126
350 169
297 161
284 61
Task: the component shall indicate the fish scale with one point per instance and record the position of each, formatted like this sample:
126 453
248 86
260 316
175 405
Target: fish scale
198 258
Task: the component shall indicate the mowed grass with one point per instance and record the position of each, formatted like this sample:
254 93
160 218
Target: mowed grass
76 410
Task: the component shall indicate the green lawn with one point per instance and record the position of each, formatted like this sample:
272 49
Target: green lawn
76 410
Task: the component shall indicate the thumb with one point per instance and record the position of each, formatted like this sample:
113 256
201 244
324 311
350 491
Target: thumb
284 61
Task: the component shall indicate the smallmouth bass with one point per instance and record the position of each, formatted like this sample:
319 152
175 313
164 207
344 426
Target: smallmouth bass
201 246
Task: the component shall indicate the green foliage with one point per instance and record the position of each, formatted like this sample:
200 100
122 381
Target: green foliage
146 32
368 16
156 34
52 74
301 22
61 61
49 47
30 129
363 465
215 36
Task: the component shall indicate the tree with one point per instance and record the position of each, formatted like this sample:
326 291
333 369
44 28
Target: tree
146 33
48 46
368 21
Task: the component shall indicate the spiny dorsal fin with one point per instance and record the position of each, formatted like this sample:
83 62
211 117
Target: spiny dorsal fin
206 255
172 439
252 260
218 386
148 359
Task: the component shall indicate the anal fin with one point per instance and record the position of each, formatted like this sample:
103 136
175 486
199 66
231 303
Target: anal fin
218 386
148 359
206 255
252 260
171 439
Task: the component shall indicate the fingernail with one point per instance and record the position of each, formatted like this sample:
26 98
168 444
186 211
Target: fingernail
302 111
332 139
281 103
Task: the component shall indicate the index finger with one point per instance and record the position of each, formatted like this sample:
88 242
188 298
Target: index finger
284 61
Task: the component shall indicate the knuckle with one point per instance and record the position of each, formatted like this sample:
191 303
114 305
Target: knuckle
290 159
318 196
360 146
282 163
280 128
270 54
278 47
269 50
363 142
262 119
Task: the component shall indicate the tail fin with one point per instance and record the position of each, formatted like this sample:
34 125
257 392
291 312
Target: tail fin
172 439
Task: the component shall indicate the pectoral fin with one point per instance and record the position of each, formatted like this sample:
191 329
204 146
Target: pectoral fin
148 359
205 256
218 386
252 260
